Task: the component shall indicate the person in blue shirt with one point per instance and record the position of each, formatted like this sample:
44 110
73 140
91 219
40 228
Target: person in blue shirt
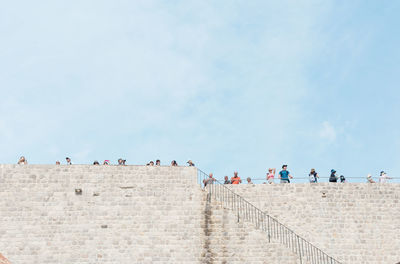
284 175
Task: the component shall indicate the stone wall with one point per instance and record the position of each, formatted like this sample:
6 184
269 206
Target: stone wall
353 222
125 214
234 241
139 214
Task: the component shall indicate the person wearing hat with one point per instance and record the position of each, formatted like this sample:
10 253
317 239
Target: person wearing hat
383 177
313 176
191 164
333 177
369 179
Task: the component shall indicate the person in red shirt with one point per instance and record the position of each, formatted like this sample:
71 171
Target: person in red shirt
235 179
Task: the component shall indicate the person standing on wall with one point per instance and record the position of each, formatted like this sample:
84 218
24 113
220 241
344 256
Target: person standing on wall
284 175
383 177
249 181
271 175
210 180
22 161
333 177
227 181
313 176
235 179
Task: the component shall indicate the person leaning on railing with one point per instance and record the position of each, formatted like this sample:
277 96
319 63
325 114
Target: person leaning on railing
313 176
384 177
369 179
284 175
235 179
227 181
209 180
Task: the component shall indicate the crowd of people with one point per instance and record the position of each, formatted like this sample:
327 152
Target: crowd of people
23 161
284 175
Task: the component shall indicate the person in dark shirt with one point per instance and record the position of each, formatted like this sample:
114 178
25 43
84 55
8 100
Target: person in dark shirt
342 178
333 177
227 181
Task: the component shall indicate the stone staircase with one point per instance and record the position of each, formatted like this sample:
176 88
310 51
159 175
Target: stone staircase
232 241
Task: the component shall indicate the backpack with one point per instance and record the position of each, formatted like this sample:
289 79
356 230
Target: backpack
312 177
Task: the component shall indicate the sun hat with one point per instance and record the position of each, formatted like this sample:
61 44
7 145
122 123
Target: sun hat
332 171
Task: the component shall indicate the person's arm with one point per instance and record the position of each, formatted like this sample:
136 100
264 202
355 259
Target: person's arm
316 175
279 175
290 176
274 170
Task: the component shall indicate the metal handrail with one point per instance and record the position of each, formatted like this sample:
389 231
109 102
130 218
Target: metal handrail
307 252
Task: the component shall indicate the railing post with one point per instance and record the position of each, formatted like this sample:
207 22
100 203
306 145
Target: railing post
298 245
269 231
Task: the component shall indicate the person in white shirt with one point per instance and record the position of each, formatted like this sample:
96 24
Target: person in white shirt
383 177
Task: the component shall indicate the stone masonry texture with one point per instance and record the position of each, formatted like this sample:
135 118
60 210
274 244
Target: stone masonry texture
352 222
236 242
140 214
124 214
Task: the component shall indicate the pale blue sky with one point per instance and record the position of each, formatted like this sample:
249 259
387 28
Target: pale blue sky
232 85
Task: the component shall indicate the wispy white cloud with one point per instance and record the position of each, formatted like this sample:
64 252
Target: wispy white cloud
328 132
